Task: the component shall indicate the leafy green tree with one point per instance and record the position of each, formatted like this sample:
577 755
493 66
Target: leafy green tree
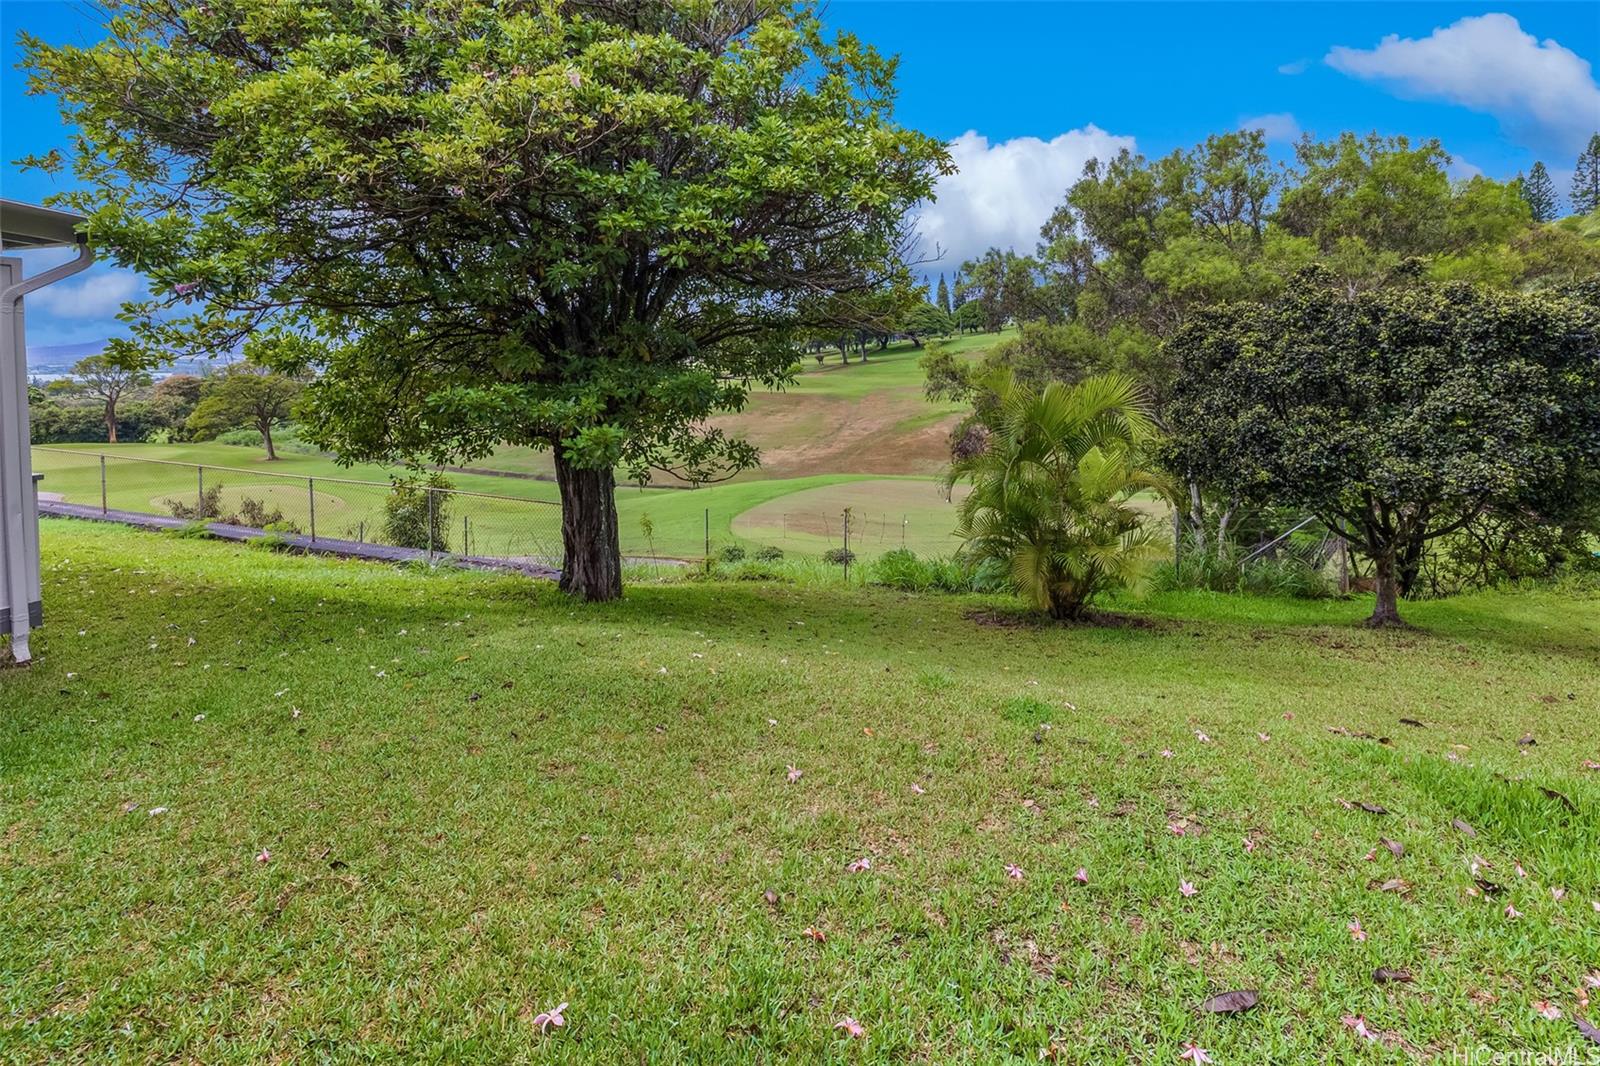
1540 192
1052 491
245 395
1395 415
1586 179
968 316
943 300
924 320
579 227
107 376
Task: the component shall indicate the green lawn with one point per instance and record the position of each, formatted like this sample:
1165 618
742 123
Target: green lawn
497 526
478 800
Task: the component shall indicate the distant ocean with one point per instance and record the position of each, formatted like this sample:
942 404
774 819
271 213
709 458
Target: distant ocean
54 361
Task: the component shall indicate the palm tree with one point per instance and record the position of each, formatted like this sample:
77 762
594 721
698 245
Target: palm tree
1051 492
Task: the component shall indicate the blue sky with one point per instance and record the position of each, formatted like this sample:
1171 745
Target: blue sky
1026 92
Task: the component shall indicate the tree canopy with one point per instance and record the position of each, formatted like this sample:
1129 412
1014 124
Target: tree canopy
570 225
1395 415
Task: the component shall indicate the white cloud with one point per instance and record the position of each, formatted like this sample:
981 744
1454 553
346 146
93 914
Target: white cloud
1002 193
1461 170
98 295
1297 67
1277 126
1543 94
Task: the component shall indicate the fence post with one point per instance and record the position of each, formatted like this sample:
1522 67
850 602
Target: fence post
104 510
311 498
200 502
903 521
466 548
431 527
708 533
847 545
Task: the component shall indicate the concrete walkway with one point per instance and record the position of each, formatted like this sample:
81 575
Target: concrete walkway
350 549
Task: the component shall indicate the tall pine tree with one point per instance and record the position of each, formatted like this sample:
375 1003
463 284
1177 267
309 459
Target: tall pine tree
944 295
1586 179
1540 192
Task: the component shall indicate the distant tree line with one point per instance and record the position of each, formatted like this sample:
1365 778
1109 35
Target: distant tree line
113 396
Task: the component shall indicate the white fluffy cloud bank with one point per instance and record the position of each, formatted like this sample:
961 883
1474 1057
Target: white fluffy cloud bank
1277 126
98 295
1543 94
1002 193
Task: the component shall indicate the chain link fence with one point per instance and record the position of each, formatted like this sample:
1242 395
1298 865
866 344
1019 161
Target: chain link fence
402 514
663 528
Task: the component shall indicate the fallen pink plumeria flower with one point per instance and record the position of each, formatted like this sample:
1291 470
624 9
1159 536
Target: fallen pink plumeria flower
854 1028
1590 764
1512 912
1356 932
1014 871
1186 888
1082 877
1178 828
545 1019
793 775
1201 737
1359 1025
1166 753
1558 893
1520 871
1196 1054
918 789
265 856
1370 856
1592 980
859 865
1263 737
1547 1010
1249 845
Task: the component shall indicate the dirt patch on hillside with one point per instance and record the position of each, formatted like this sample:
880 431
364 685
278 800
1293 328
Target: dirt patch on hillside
884 432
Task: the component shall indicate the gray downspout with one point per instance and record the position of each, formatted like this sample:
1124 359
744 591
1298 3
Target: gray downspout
15 484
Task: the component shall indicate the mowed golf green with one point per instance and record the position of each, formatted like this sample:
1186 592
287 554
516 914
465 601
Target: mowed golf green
259 807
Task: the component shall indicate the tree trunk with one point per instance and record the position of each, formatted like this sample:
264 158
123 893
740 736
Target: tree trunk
591 567
266 438
111 422
1386 612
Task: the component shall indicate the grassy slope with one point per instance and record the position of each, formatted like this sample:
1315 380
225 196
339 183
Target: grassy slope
836 425
494 801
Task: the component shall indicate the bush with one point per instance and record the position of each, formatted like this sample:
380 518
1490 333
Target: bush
207 508
902 569
769 554
406 513
839 556
251 512
1297 572
730 553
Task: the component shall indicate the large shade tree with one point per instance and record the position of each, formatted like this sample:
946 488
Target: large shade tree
582 226
1396 415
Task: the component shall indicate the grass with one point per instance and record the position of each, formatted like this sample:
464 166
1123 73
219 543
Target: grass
837 425
493 800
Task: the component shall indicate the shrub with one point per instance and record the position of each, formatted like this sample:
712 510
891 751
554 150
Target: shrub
1296 572
730 553
207 508
408 520
768 554
839 556
902 569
